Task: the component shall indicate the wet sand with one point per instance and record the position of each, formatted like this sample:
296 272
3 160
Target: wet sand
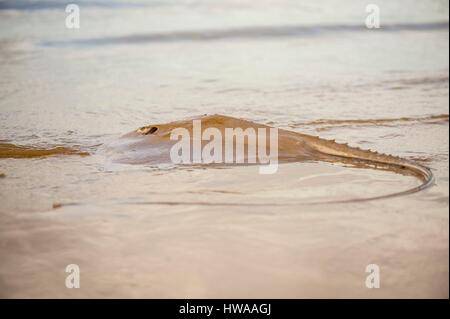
136 245
164 231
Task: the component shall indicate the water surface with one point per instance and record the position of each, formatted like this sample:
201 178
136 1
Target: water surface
306 66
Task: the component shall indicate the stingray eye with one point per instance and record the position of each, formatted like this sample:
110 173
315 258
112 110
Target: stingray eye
152 130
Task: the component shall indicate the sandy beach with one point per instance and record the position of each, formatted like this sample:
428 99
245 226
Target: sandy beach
146 230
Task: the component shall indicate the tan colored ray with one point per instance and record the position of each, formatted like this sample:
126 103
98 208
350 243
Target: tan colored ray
293 146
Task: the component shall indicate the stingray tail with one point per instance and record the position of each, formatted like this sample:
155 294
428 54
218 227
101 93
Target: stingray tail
357 157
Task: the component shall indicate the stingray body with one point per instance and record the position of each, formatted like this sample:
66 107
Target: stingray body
151 145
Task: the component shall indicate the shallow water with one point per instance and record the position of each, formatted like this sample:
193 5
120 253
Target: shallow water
143 231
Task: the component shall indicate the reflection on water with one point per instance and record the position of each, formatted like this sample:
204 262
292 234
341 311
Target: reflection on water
16 151
308 66
323 124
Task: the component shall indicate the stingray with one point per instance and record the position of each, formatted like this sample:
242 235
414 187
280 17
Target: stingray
151 144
